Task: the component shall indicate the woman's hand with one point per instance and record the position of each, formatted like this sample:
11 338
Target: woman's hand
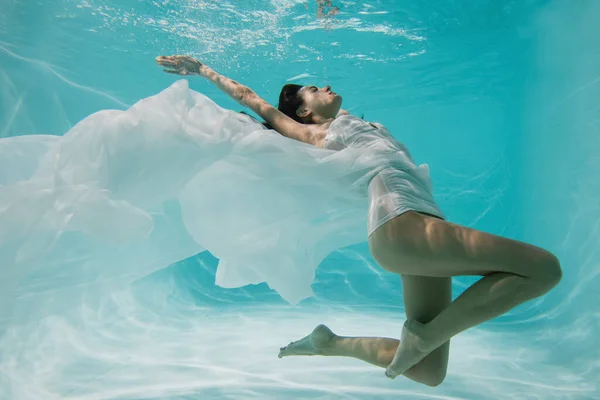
181 65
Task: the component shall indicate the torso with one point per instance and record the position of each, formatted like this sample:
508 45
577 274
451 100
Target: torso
395 185
354 132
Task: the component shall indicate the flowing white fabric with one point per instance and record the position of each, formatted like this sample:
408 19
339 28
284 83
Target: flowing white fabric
125 193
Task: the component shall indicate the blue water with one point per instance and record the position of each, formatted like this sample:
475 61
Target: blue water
500 98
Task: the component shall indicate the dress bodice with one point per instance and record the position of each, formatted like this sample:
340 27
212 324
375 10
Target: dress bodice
349 131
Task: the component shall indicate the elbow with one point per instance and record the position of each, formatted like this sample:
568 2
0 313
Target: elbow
244 95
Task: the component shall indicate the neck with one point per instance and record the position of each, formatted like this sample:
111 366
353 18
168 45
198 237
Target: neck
318 119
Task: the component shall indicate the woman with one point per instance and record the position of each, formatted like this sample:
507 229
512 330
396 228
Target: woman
407 235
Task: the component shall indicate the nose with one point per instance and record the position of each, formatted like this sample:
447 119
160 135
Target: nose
327 88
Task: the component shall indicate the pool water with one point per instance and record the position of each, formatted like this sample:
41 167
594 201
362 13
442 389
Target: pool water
500 98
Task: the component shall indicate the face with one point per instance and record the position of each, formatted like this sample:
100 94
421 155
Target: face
319 102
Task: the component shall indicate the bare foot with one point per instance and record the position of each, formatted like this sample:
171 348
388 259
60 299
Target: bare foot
413 348
312 345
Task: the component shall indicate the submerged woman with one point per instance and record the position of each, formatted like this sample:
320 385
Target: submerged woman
408 235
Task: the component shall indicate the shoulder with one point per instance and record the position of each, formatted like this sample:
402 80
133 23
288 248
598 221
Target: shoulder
318 134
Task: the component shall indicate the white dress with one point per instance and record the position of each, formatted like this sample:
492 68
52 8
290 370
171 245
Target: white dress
399 187
126 193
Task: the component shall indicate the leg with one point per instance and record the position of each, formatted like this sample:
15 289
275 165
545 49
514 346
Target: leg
424 298
513 272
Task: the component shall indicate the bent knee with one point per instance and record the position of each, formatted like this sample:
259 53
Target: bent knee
551 270
432 371
434 378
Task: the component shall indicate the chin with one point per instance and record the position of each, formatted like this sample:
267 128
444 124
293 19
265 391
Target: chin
337 100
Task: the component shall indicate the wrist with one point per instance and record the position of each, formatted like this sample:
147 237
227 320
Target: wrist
205 71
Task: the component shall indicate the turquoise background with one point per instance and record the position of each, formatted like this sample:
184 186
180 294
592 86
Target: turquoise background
500 98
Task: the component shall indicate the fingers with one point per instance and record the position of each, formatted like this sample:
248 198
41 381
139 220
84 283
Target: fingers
175 58
167 61
176 71
177 64
172 65
162 59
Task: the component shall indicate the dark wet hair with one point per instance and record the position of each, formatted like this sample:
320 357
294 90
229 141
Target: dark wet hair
289 102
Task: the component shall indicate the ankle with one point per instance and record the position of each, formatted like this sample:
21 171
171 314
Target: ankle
428 337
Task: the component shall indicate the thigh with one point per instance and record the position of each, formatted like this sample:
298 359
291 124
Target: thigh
416 244
424 298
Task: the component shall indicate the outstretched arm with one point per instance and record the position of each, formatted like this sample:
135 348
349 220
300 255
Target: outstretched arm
185 65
